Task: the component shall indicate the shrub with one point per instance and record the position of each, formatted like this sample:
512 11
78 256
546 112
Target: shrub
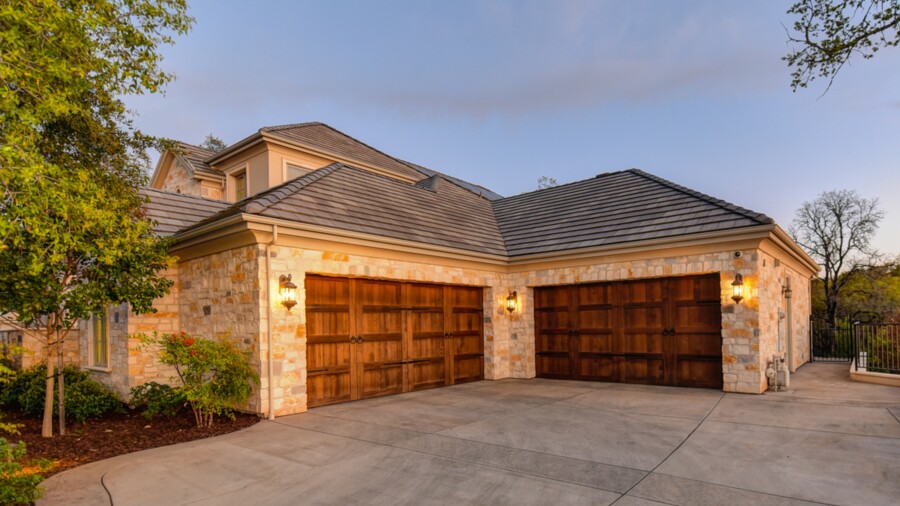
85 398
16 485
157 399
214 376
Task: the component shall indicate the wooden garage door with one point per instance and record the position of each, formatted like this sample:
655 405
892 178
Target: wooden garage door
658 331
367 338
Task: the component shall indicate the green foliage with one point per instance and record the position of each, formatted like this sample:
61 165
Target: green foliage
85 398
213 143
7 374
214 376
74 237
829 32
18 486
157 399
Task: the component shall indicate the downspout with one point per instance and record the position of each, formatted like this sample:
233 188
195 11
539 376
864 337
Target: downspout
270 356
790 325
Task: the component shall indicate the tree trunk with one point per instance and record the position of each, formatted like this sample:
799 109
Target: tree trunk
47 427
62 389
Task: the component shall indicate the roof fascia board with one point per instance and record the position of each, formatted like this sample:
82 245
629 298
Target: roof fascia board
784 241
159 164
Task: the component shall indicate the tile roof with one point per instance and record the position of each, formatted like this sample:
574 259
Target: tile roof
196 157
339 196
480 190
609 209
612 208
326 138
174 211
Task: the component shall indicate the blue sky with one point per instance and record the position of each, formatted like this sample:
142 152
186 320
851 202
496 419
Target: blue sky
501 93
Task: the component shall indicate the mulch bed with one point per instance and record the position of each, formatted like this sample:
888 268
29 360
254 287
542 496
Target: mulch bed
115 434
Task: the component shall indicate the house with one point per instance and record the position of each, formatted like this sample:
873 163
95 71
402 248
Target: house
407 278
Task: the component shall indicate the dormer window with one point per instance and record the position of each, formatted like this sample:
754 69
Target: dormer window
293 171
240 186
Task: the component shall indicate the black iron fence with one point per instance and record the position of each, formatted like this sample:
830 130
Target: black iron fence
878 347
831 344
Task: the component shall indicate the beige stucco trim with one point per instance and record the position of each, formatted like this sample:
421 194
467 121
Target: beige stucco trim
162 167
269 137
785 243
245 229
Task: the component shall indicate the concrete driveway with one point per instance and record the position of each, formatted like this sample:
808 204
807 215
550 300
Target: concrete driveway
535 442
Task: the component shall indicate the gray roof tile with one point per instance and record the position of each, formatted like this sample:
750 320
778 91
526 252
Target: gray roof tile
173 211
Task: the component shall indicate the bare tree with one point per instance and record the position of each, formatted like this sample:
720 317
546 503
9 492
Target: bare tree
546 182
829 32
837 229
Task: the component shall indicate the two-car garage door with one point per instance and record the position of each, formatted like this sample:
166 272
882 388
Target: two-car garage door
663 331
367 338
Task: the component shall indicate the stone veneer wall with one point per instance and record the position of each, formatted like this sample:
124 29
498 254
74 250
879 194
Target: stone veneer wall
219 299
179 179
225 296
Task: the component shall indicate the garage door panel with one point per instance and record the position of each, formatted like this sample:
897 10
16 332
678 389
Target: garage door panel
553 365
699 373
639 342
552 342
381 379
643 370
596 319
553 320
598 368
468 368
595 342
322 389
427 374
698 344
657 331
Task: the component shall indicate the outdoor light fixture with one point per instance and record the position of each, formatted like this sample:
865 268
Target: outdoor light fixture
511 301
737 287
288 291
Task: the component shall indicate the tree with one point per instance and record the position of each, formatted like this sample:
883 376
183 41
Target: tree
837 229
213 143
872 294
75 237
546 182
829 32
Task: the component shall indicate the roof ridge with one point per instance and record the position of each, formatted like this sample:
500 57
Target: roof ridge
749 213
275 128
157 190
454 180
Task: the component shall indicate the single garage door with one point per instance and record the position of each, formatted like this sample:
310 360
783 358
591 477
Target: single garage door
368 338
664 331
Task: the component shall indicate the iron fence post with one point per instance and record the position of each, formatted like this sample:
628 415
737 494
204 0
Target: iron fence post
856 345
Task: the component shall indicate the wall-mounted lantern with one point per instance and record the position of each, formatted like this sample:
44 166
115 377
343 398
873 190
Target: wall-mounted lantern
511 301
287 290
737 287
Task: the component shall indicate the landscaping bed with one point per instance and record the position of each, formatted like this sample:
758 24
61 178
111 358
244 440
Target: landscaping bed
114 434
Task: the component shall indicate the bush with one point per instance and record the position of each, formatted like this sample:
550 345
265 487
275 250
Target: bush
157 399
85 398
18 487
214 376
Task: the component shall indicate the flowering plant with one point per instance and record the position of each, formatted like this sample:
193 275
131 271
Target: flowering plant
215 376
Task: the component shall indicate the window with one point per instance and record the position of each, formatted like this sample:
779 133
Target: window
292 171
240 186
99 329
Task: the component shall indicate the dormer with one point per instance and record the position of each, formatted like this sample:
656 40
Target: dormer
272 156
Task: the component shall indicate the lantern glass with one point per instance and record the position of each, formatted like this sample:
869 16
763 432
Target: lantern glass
737 288
287 291
511 300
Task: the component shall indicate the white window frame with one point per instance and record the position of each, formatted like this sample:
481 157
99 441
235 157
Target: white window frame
284 169
91 324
